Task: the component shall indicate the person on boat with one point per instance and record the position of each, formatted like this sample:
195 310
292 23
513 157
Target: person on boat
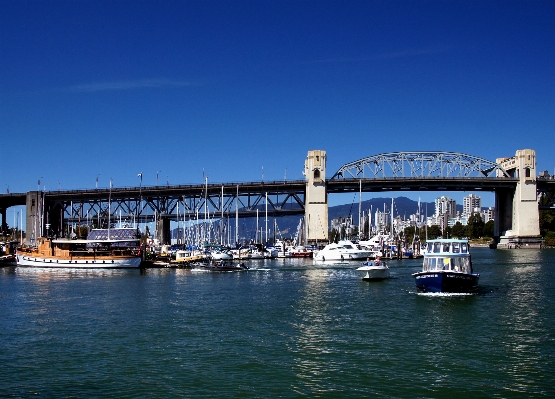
368 262
377 262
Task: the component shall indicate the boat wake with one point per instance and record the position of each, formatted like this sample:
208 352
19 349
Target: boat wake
443 294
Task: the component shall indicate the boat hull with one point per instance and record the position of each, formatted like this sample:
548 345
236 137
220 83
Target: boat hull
441 281
221 256
375 273
323 256
112 263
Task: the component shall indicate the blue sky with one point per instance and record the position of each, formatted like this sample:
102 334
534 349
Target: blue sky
234 89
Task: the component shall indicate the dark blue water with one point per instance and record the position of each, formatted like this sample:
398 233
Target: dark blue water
284 329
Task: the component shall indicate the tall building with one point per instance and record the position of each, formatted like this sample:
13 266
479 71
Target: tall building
446 206
471 203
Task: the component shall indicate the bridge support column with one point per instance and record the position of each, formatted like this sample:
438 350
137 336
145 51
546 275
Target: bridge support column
163 234
4 226
33 218
517 220
316 197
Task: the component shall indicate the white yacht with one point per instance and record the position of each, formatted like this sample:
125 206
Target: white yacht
343 250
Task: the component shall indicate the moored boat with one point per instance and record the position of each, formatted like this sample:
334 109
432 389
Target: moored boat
90 253
299 251
186 256
7 253
343 250
447 267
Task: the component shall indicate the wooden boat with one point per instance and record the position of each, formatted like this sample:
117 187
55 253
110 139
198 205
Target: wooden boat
82 253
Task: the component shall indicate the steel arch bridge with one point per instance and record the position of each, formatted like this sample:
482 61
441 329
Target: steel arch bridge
420 164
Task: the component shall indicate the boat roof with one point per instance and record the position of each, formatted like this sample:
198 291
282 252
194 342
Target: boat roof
448 240
86 241
120 233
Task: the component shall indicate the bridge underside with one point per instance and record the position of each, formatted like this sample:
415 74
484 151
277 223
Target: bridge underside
56 213
420 184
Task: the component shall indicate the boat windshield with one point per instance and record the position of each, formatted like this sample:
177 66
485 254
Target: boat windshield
456 264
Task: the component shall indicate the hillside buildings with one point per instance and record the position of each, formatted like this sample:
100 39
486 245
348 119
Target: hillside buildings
446 213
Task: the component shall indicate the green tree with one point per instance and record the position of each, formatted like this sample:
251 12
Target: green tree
409 233
458 230
547 217
488 229
433 232
475 226
550 239
333 235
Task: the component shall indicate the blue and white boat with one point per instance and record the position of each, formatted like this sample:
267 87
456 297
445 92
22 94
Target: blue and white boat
447 267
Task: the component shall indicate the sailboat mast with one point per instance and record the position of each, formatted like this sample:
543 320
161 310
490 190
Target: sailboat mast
222 218
359 209
109 207
237 216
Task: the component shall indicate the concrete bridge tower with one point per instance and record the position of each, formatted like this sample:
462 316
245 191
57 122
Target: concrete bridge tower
316 197
517 218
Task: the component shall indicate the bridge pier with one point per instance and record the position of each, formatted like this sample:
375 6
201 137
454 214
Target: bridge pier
316 197
516 212
163 233
4 226
33 217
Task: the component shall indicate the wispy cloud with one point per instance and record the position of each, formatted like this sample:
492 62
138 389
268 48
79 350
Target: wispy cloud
126 85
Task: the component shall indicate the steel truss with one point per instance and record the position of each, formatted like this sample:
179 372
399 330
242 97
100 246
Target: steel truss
420 164
146 204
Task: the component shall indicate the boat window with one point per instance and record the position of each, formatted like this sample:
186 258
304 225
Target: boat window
466 265
456 247
445 247
436 247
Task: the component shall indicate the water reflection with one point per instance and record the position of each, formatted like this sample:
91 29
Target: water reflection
317 321
527 334
49 273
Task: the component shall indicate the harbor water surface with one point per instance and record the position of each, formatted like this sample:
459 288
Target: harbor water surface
284 329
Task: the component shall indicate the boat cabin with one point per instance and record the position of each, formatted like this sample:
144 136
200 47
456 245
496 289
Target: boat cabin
447 255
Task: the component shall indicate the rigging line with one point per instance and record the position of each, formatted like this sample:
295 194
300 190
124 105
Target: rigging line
350 209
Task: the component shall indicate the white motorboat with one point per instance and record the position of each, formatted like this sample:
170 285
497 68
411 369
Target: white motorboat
374 270
343 250
221 254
